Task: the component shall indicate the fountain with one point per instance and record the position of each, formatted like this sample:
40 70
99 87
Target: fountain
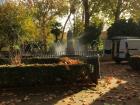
67 68
70 48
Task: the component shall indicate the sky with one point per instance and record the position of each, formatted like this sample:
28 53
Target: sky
1 1
62 20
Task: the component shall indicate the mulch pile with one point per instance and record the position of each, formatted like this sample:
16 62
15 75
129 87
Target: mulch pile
67 60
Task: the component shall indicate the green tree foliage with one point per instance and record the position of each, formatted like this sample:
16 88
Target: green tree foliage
113 9
87 13
124 28
78 27
73 6
15 23
46 13
118 8
90 34
92 8
56 30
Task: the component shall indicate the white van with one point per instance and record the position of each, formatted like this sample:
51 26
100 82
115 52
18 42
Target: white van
121 48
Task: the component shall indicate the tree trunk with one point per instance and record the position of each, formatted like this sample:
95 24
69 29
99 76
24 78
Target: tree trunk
86 11
44 34
118 10
65 26
43 31
83 16
56 38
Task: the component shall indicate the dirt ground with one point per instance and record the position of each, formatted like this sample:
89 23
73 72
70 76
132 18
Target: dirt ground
119 85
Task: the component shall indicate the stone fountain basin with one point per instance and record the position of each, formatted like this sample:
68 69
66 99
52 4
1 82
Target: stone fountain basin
46 71
42 74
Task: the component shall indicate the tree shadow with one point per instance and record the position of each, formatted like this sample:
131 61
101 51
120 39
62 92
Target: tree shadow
127 93
39 95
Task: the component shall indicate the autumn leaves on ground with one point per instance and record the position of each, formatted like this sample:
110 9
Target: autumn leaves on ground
119 85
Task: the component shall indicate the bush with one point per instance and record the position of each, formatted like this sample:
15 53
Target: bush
124 27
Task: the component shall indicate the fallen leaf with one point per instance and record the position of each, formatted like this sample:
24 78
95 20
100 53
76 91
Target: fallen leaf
119 100
63 100
122 98
50 98
84 104
65 94
126 88
3 103
128 97
119 81
45 99
103 100
71 99
11 103
109 97
18 100
26 98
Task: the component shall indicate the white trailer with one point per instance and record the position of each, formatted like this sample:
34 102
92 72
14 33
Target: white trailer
122 48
